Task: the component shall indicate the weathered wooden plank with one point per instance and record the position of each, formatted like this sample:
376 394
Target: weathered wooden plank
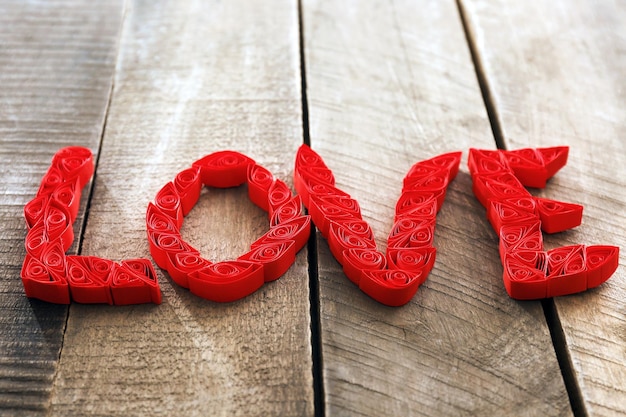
556 75
388 85
194 77
56 71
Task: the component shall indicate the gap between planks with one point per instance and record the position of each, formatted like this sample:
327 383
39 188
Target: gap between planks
553 322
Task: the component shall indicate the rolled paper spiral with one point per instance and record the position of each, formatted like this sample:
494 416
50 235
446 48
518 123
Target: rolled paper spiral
309 186
412 200
412 259
601 261
74 162
340 239
330 208
164 244
278 194
36 240
224 169
68 197
269 257
168 200
276 258
226 281
356 260
505 212
35 209
41 284
523 281
497 187
85 286
390 287
52 179
306 157
411 233
188 186
290 210
426 210
297 230
259 182
158 221
182 264
566 270
419 171
449 161
481 161
128 286
58 225
435 183
527 165
554 158
53 257
557 216
521 236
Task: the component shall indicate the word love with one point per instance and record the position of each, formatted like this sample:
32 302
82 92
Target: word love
499 178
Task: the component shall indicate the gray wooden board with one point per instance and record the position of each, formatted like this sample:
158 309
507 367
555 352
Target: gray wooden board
56 68
389 85
556 74
194 77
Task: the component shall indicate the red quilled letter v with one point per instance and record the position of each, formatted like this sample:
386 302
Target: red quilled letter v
391 279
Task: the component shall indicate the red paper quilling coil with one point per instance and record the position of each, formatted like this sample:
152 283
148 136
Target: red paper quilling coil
390 287
134 282
162 245
521 236
528 167
226 281
523 281
276 258
68 196
58 225
307 157
52 179
36 240
39 283
417 200
168 200
554 158
341 238
74 163
419 171
188 186
297 230
357 260
35 209
259 182
510 211
497 187
317 173
566 271
183 264
290 210
224 169
330 208
412 259
482 161
436 185
411 233
309 186
449 161
278 194
601 261
557 216
86 286
158 221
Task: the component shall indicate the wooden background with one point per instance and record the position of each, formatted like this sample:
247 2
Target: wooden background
151 86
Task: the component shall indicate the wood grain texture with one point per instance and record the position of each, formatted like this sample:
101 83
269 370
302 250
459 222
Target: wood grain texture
56 70
556 73
390 84
194 77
